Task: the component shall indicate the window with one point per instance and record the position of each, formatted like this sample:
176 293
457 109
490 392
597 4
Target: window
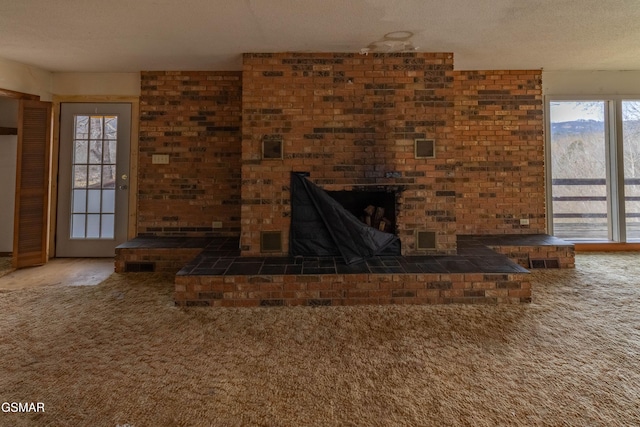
631 149
94 177
593 148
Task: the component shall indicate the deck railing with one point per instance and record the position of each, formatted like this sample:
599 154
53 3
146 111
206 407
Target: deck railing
591 224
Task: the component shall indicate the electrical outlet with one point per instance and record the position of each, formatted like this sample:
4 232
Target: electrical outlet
216 224
160 159
524 221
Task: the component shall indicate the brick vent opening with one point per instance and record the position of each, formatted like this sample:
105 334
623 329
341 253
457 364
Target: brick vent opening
426 240
544 263
270 241
272 149
139 267
425 148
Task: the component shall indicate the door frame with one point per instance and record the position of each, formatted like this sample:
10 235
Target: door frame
133 158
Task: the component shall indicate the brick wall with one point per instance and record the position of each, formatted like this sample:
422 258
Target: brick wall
499 139
350 121
195 117
351 289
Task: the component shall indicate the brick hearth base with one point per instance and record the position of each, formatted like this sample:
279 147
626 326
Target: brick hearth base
351 289
161 254
486 270
477 275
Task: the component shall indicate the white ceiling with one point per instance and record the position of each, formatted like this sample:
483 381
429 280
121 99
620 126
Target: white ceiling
134 35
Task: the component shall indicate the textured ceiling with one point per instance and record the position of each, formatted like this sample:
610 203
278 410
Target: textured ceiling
134 35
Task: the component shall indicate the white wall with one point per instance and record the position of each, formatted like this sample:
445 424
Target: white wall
8 158
579 83
122 84
25 78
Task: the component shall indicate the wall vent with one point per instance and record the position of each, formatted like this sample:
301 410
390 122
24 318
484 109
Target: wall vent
270 241
425 240
272 149
425 148
544 263
139 267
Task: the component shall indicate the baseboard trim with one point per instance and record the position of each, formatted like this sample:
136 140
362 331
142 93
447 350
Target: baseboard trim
607 247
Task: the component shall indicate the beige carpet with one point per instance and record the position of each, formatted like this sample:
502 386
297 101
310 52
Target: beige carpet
120 353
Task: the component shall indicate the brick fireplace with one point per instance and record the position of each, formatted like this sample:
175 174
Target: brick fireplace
355 124
351 122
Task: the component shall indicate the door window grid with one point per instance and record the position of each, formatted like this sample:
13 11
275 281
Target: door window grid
94 176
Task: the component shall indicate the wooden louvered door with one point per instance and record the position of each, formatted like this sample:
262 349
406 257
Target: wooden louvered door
32 184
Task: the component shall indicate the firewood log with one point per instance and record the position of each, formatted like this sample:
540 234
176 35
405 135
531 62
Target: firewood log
370 210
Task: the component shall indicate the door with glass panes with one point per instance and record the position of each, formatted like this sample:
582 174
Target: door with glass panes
93 186
594 150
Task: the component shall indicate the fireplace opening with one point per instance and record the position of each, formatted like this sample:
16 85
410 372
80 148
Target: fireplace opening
324 224
376 209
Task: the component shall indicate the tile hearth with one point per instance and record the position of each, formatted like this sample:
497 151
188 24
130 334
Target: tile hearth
218 260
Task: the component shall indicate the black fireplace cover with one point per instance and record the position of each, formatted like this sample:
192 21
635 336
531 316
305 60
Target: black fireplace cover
320 226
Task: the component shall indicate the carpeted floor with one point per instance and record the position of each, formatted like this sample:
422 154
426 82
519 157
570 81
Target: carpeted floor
121 353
